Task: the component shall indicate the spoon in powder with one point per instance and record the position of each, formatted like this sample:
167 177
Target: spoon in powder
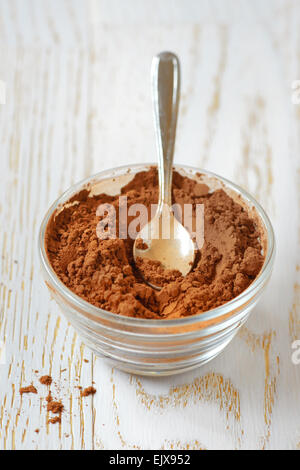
164 242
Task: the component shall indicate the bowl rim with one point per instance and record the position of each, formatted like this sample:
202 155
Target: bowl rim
200 317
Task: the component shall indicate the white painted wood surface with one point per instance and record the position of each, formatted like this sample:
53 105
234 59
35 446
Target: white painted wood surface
78 101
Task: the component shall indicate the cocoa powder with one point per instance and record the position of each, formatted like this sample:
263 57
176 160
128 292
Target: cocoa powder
46 380
103 271
86 392
56 419
29 389
55 407
153 272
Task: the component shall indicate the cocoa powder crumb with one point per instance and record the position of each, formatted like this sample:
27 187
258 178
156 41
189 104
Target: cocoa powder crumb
55 407
141 245
103 272
56 419
88 391
29 389
46 380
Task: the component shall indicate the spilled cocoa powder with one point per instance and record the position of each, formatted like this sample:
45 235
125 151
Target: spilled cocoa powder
55 407
29 389
86 392
46 380
56 419
103 271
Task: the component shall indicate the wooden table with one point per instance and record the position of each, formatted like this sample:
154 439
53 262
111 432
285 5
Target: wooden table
78 101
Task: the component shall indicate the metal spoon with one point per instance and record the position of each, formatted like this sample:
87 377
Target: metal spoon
165 238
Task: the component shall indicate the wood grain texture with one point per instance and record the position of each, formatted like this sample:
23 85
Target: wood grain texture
77 102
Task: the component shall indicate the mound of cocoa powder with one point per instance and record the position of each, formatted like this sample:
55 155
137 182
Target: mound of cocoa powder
154 273
103 272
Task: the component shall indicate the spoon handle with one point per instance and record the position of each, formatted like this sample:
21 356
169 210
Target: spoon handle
165 78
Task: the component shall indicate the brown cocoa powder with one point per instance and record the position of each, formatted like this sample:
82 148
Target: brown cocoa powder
86 392
56 419
29 389
46 380
153 272
54 406
141 245
103 272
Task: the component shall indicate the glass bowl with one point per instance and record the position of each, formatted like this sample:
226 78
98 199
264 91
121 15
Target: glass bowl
157 347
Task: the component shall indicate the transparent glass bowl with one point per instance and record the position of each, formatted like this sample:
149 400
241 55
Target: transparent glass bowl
157 347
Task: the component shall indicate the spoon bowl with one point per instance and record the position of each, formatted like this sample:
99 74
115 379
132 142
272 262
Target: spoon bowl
168 243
